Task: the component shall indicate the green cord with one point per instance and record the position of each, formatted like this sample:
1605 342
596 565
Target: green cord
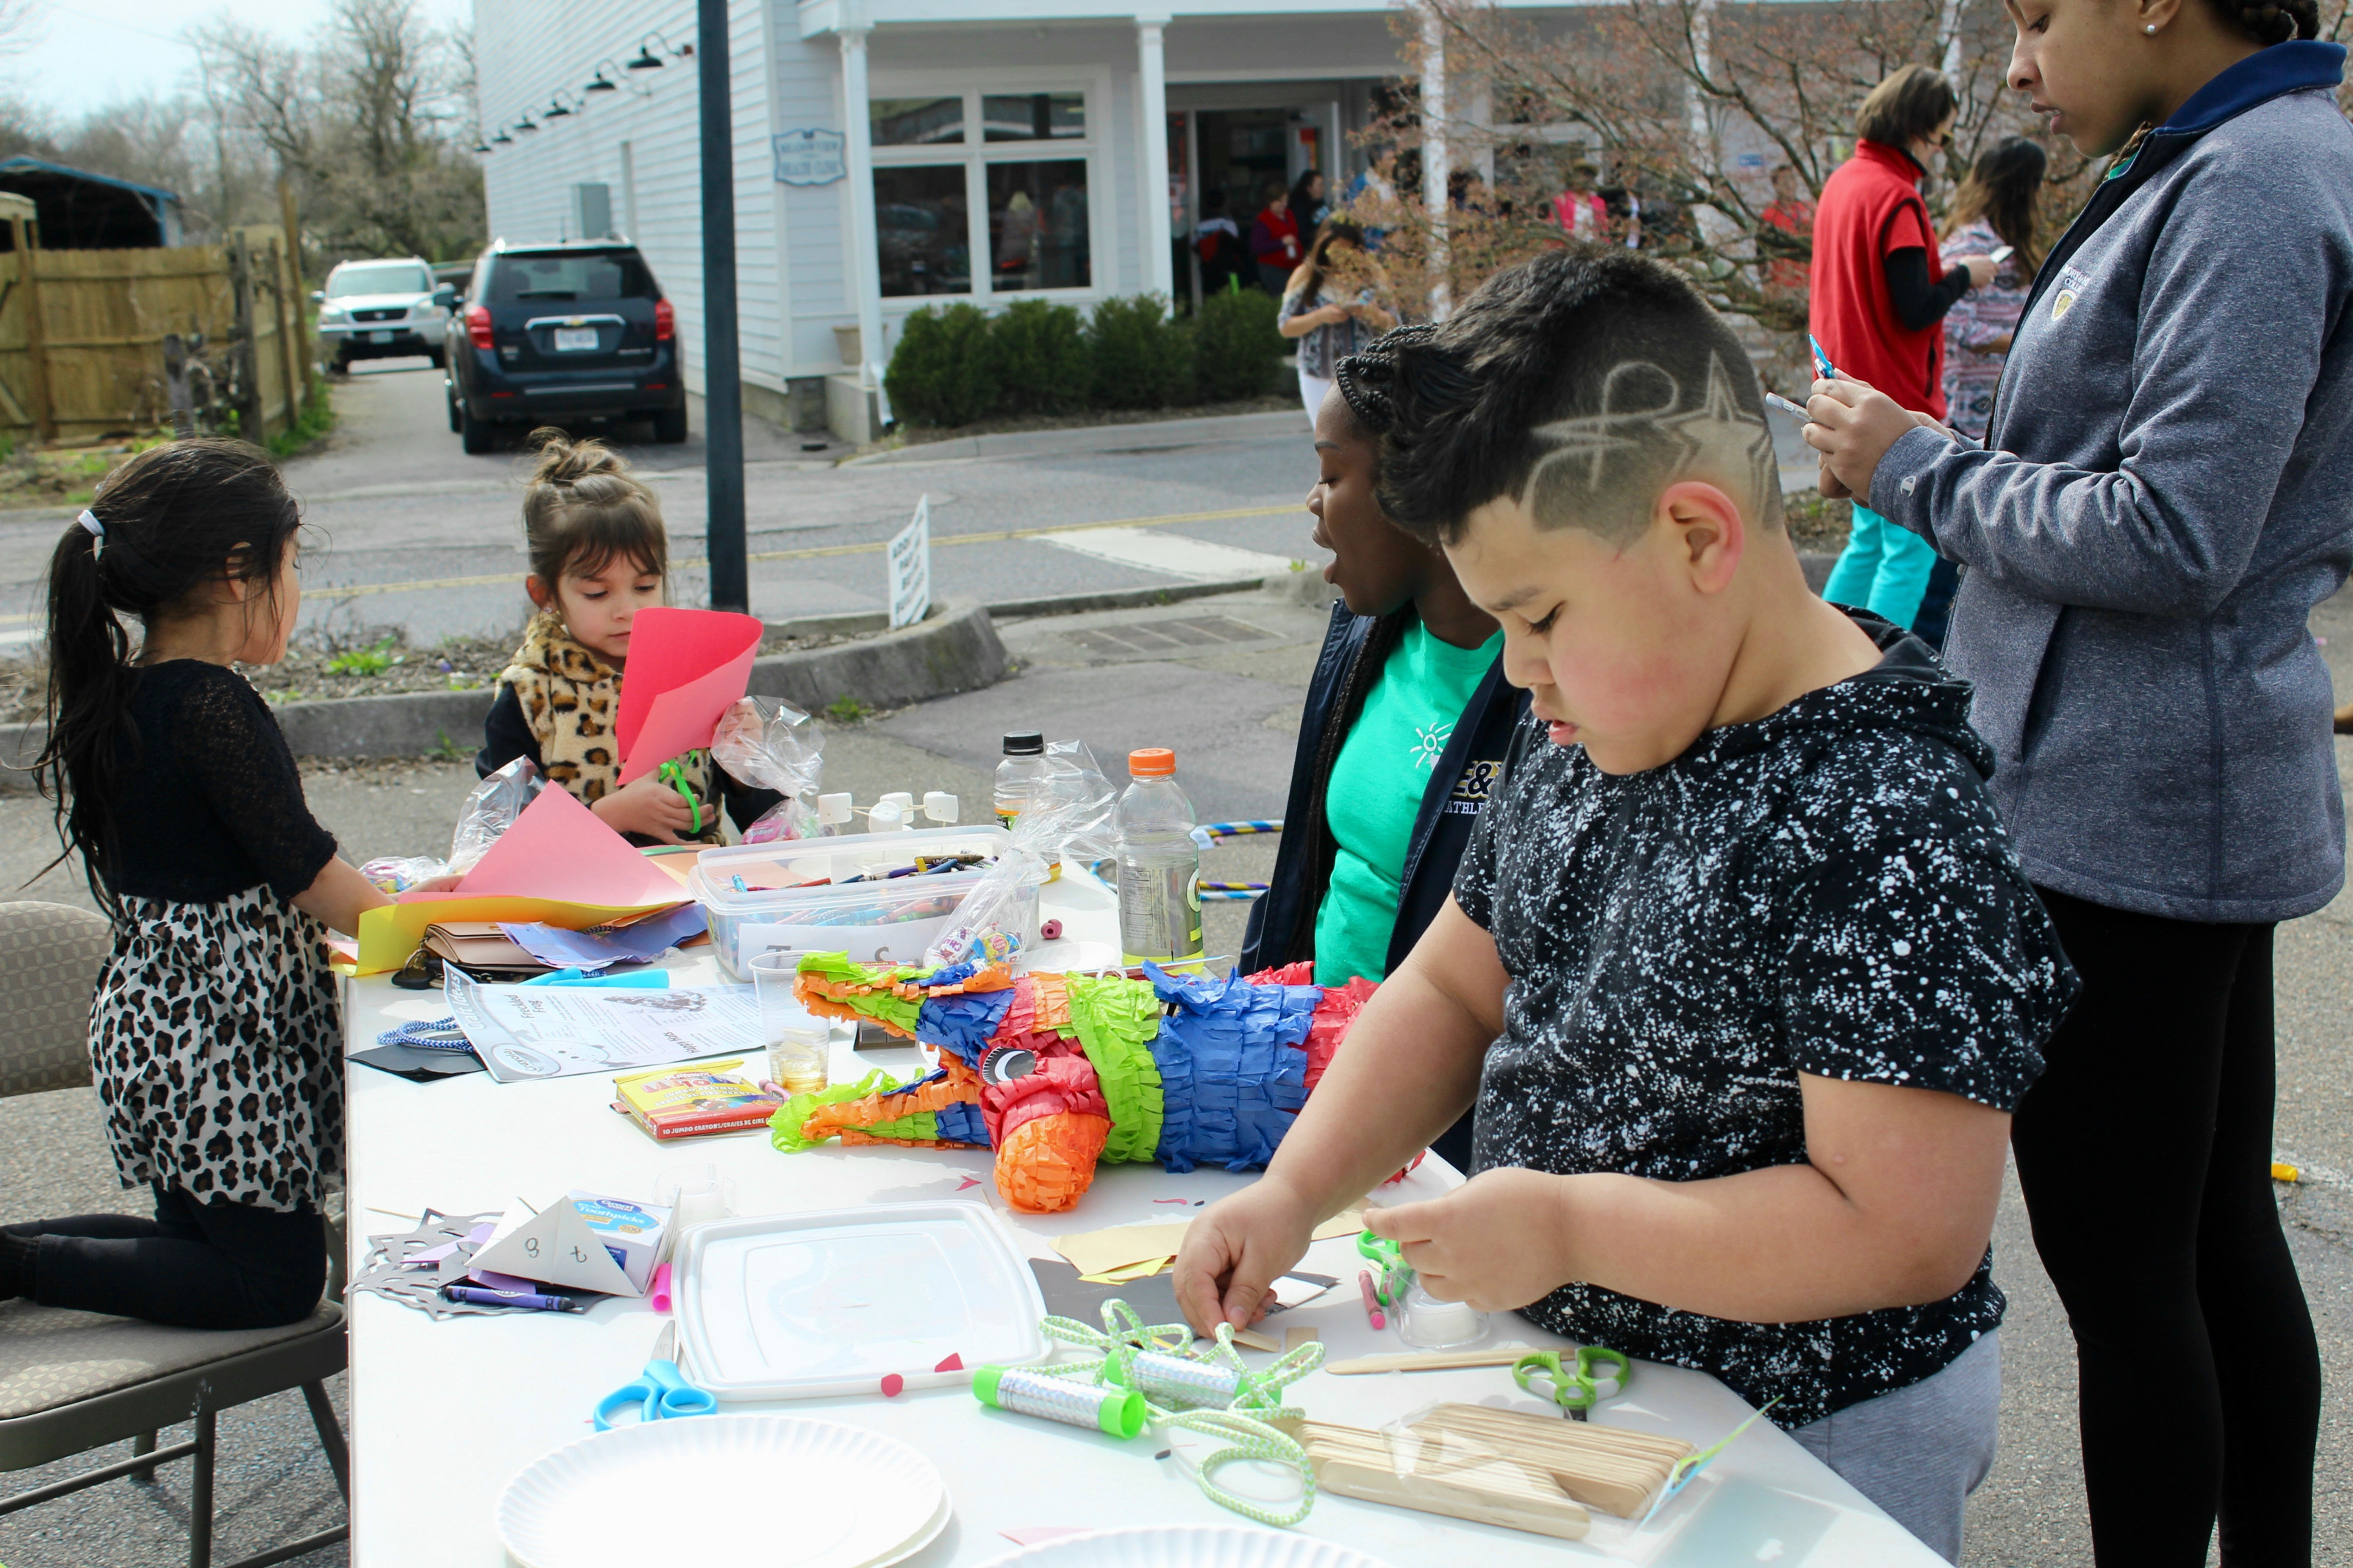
1245 1423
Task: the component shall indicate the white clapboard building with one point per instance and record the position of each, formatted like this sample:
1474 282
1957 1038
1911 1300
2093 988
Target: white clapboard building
893 153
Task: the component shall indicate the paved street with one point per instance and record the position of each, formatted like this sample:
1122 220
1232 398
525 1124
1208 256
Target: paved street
1231 711
393 501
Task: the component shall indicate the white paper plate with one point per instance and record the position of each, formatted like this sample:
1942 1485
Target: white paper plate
698 1490
1186 1546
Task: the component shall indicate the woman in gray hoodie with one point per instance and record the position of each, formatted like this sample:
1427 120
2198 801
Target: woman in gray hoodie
2165 491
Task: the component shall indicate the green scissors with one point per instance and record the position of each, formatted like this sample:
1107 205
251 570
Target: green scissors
1572 1383
674 775
1391 1273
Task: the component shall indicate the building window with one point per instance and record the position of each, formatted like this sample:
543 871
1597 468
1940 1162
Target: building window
1033 116
916 121
987 214
923 230
1037 226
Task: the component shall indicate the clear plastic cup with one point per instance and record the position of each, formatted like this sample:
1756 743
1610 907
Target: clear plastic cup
799 1042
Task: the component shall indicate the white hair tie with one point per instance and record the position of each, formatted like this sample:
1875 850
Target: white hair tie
89 520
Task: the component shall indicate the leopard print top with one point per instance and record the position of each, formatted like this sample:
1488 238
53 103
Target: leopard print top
571 698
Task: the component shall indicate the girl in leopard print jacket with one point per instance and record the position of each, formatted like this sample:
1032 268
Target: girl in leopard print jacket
599 556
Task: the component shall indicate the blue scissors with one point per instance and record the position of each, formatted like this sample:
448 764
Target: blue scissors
661 1393
1571 1382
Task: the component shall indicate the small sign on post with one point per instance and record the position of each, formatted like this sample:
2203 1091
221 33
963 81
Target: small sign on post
810 157
911 568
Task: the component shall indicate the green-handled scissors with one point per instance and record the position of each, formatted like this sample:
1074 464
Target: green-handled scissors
1571 1382
674 775
1391 1273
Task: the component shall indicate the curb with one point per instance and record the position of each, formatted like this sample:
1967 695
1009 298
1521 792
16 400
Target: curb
1143 436
1121 598
955 651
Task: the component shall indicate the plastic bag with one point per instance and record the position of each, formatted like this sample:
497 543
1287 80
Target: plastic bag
773 745
1070 814
489 811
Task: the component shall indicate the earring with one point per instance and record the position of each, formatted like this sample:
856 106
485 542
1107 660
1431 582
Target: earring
2150 29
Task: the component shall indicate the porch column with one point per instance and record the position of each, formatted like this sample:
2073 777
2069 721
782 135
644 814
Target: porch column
1434 170
858 152
1152 95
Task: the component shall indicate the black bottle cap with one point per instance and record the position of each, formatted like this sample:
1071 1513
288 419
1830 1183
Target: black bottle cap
1025 744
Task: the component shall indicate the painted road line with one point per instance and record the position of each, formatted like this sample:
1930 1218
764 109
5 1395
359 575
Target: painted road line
1050 533
1172 553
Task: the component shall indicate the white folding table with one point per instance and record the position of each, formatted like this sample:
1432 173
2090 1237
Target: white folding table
445 1414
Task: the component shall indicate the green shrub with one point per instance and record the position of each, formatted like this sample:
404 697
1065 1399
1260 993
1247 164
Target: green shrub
1142 359
939 372
1038 357
1236 348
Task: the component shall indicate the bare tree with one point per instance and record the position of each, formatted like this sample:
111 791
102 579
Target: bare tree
370 122
1684 108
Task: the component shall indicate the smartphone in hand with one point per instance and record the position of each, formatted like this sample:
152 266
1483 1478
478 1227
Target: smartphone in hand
2001 253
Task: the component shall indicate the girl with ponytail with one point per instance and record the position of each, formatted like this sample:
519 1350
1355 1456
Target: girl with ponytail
216 1042
2163 491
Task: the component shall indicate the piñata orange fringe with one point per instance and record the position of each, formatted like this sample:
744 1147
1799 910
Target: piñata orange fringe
1047 1165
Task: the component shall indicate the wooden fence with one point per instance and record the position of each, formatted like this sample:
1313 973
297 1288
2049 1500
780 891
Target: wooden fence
82 334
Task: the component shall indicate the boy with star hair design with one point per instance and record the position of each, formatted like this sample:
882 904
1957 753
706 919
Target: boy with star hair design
1739 971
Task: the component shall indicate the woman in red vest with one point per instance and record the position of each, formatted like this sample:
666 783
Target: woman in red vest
1877 302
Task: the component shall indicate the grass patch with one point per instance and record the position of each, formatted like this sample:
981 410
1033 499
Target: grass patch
847 710
317 418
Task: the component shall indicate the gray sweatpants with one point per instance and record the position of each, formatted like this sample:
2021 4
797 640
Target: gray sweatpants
1920 1451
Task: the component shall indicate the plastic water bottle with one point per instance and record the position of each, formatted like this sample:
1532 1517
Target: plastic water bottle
1017 774
1159 864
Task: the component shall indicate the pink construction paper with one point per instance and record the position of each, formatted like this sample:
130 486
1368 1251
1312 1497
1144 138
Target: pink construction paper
558 848
685 668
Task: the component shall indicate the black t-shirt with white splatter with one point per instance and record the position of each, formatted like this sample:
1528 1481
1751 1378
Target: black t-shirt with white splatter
1826 890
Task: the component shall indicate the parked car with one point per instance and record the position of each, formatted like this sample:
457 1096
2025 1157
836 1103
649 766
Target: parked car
384 308
562 333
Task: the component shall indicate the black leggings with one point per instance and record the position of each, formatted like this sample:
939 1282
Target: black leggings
193 1266
2144 1151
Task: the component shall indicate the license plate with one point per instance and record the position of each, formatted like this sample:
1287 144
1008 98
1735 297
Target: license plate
575 339
380 337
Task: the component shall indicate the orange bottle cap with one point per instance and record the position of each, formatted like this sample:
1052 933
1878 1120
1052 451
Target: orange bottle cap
1152 763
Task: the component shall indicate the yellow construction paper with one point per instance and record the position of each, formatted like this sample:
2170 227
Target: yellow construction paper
1122 1246
389 934
1120 1276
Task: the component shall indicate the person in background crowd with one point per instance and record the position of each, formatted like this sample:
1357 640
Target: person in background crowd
1308 204
1791 214
1994 207
1579 212
1877 300
2165 493
1274 241
1408 717
1217 241
1331 319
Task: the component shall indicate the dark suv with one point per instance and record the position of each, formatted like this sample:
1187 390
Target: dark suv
560 333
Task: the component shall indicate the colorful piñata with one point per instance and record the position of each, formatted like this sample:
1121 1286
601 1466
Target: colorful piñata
1059 1071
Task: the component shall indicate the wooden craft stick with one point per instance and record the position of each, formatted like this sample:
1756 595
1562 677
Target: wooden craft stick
1250 1339
1449 1475
1292 1338
1429 1361
1606 1468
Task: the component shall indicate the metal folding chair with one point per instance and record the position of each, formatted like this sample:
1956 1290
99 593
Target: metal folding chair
71 1382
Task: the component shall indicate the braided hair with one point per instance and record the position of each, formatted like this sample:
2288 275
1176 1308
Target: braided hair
2274 21
1367 379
